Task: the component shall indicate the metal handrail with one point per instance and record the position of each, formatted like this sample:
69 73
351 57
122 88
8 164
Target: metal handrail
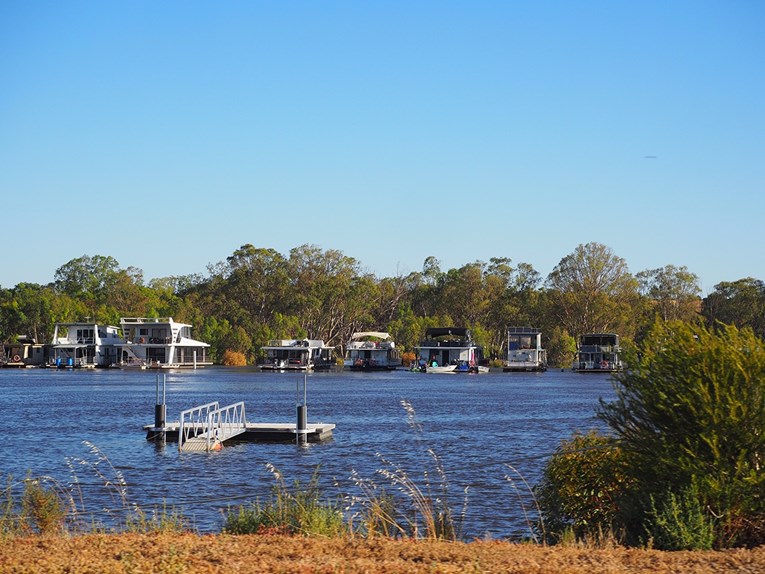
225 422
212 423
198 422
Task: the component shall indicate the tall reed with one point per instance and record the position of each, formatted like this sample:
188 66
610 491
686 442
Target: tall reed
297 510
422 508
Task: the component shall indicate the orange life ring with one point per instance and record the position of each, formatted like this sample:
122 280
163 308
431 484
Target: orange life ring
16 358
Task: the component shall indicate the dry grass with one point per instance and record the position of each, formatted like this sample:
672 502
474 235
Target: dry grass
181 553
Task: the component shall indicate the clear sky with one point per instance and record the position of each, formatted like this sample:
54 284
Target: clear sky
168 133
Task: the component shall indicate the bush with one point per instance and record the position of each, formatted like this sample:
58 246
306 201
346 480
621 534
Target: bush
582 486
300 510
690 413
234 359
680 523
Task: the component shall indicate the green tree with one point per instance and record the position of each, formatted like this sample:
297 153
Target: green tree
672 291
592 290
689 416
323 290
26 310
740 303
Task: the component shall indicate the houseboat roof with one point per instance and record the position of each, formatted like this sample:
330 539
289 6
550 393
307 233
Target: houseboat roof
460 332
378 334
524 330
141 320
85 324
295 343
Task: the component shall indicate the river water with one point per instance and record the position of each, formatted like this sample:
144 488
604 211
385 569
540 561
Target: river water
83 429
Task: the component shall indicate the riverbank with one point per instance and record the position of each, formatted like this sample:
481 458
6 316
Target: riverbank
212 554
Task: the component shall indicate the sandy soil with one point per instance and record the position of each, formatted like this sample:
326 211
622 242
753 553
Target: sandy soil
166 553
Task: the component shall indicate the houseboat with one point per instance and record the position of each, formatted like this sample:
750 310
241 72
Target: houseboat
296 355
83 345
524 350
598 353
24 352
450 350
371 351
160 343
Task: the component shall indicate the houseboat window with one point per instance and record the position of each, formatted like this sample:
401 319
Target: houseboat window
144 332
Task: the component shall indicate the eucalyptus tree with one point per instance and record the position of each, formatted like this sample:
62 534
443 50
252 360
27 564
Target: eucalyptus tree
464 296
673 292
592 290
324 290
103 289
740 303
257 284
513 296
87 277
26 309
426 287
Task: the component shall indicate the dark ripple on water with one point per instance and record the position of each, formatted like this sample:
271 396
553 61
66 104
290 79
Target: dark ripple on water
476 425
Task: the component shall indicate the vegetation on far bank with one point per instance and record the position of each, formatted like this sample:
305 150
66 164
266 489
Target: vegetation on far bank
258 294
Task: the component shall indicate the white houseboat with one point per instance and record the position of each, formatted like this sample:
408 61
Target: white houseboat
598 353
159 343
371 351
24 352
296 355
524 350
450 350
83 345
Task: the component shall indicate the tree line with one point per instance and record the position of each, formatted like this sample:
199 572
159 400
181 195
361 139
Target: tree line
258 294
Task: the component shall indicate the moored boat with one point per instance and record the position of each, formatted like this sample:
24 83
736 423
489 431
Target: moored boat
524 350
450 350
159 343
24 352
296 355
83 345
371 351
598 353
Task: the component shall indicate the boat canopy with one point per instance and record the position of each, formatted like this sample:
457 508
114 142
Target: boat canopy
460 332
378 334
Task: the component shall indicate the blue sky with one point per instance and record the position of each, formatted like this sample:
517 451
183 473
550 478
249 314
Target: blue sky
167 134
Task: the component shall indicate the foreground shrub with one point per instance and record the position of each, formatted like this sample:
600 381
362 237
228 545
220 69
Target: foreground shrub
689 418
581 488
300 510
680 523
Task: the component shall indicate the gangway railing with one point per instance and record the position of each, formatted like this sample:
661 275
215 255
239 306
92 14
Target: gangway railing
207 426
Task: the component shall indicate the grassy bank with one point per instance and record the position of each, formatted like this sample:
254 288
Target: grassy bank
180 553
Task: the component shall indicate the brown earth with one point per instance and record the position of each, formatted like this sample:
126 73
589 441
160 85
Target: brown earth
181 553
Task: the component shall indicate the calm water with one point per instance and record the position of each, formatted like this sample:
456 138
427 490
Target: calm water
476 425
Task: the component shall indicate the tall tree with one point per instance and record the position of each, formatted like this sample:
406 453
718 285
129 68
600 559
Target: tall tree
740 303
593 291
673 292
87 277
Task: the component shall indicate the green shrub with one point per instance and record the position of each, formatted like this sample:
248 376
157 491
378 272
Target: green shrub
680 523
690 412
300 510
582 486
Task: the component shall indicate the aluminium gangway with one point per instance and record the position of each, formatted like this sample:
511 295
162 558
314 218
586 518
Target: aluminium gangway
204 428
